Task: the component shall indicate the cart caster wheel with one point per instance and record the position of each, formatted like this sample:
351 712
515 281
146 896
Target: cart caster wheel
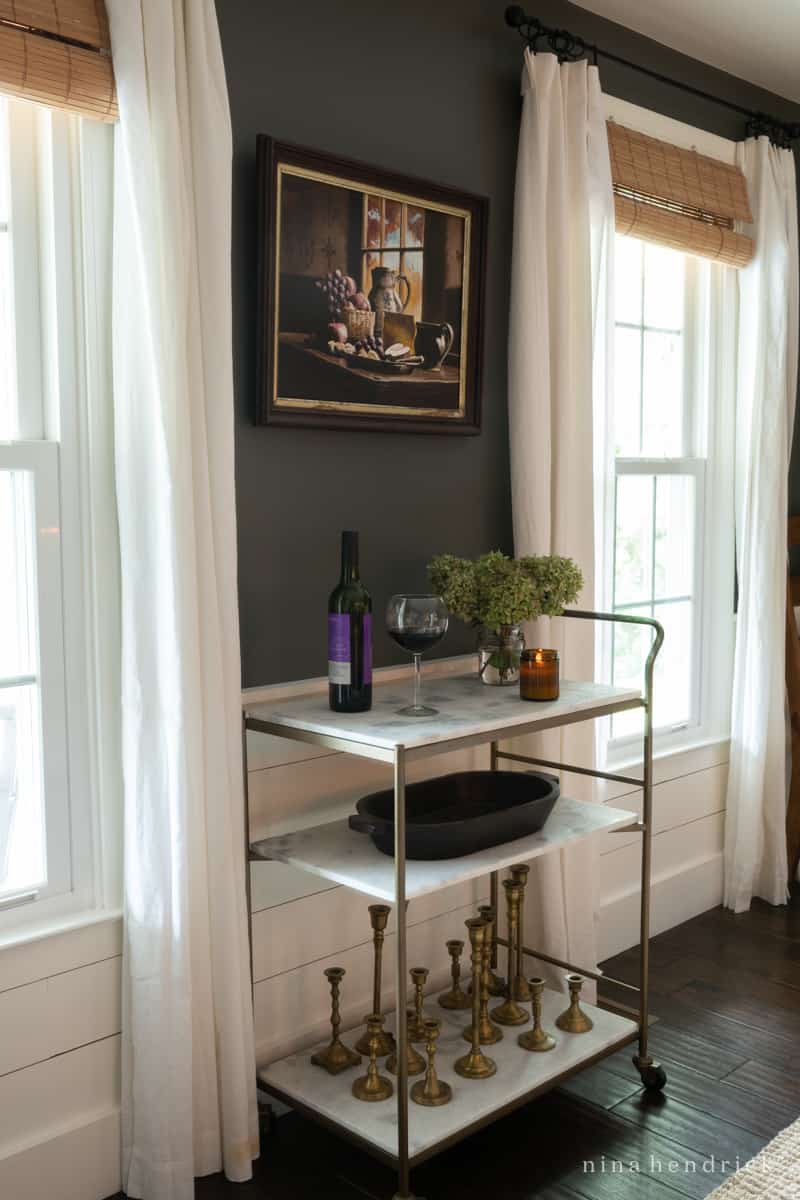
653 1077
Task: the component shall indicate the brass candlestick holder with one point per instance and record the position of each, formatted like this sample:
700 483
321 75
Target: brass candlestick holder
416 1063
416 1027
335 1057
431 1091
536 1038
474 1064
488 1032
509 1012
455 997
378 915
574 1019
519 986
373 1086
497 985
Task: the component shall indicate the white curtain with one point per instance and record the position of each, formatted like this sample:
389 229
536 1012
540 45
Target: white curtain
560 329
188 1093
755 824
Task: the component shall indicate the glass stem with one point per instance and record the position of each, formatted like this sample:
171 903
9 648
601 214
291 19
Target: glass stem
417 679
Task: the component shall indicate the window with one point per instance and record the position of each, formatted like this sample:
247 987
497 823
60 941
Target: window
54 177
670 498
394 236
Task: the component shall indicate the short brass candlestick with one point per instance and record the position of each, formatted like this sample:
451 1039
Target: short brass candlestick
509 1012
455 997
373 1085
431 1091
416 1063
574 1019
519 986
536 1038
335 1057
474 1064
416 1028
497 986
488 1032
378 915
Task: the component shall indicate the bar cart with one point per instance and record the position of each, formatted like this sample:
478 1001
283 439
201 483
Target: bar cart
470 715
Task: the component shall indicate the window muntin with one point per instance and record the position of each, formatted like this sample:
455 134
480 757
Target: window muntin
394 236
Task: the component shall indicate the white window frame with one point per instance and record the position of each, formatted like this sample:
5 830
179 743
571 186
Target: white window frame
60 223
704 375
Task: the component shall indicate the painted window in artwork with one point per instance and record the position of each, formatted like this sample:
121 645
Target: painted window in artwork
394 237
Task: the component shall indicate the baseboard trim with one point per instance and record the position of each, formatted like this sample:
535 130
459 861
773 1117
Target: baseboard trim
674 898
79 1163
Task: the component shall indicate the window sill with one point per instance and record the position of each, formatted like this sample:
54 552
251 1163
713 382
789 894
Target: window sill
38 929
673 762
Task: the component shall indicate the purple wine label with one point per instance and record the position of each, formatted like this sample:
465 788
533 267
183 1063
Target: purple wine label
340 656
368 648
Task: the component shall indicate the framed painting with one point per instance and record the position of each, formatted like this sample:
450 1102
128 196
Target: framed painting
371 287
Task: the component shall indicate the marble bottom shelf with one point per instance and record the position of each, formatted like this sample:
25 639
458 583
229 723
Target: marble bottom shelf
520 1076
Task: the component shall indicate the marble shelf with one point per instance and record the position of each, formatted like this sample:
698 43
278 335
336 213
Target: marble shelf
468 714
520 1076
334 851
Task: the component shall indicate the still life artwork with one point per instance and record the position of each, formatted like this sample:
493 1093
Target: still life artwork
370 296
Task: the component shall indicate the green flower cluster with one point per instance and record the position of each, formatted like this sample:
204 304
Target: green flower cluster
496 591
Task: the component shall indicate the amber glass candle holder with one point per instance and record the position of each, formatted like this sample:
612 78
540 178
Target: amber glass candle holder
538 675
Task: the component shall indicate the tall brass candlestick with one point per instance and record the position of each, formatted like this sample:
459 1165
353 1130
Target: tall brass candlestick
336 1056
455 998
536 1038
497 985
474 1064
416 1028
373 1085
431 1091
488 1033
519 987
378 915
509 1012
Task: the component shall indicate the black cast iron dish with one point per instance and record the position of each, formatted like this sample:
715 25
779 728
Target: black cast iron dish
460 813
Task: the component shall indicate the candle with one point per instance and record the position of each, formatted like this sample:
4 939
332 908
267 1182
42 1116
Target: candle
538 675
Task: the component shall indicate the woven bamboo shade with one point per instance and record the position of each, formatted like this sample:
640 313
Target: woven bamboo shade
58 52
678 197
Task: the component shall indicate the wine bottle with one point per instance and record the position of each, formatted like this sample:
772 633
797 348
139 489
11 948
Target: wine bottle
350 635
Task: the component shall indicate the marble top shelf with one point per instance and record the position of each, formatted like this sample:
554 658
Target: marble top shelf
336 852
469 713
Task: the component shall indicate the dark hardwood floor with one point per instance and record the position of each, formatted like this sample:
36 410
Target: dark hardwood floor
726 995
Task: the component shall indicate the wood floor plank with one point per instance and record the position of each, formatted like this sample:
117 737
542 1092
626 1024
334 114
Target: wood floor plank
688 1127
671 1044
731 1035
729 1103
602 1087
640 1161
751 1012
773 1083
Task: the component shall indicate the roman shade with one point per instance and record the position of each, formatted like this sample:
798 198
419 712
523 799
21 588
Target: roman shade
678 197
58 52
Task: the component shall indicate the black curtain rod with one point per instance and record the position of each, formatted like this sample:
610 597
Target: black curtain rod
568 47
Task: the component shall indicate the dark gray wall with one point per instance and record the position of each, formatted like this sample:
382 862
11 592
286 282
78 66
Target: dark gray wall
429 87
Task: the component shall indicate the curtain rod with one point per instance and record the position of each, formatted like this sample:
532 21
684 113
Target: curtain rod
570 48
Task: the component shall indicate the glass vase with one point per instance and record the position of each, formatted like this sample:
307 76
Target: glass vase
499 653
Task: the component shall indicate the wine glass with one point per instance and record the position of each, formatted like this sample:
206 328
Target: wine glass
416 623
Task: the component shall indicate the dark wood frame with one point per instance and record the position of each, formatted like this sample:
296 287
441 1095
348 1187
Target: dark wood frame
271 153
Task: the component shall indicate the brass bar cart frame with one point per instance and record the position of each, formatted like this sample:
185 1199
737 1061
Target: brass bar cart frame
653 1076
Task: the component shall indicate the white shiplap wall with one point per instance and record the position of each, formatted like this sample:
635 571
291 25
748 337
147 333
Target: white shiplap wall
59 996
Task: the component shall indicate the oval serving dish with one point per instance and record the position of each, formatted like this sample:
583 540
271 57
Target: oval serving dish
460 813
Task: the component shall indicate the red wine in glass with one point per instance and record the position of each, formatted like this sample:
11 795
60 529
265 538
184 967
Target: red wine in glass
417 623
